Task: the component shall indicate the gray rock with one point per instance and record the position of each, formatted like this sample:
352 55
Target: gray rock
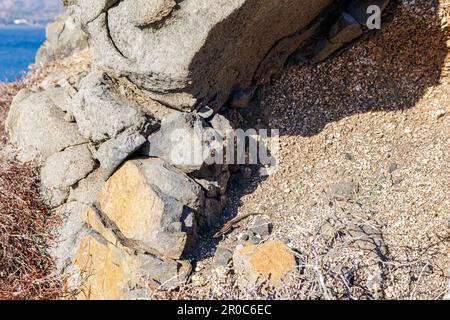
113 152
63 170
85 191
345 29
168 274
261 226
99 114
89 10
36 126
172 182
211 187
147 12
222 125
143 40
64 38
223 257
244 236
323 49
70 235
256 239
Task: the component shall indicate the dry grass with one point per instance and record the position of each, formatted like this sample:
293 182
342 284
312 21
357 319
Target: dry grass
24 222
26 269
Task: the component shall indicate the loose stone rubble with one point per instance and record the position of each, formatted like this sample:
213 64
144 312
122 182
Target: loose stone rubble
134 199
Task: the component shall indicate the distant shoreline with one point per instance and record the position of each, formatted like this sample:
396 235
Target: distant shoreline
11 26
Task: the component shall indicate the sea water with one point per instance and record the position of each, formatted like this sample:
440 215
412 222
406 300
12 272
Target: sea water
18 47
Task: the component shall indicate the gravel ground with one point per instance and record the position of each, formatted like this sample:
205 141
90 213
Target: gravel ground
365 143
373 120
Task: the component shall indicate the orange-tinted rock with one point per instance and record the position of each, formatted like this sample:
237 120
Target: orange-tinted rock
271 261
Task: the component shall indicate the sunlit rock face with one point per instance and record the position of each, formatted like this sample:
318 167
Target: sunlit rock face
195 51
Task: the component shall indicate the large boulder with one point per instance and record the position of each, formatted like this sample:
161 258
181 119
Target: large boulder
37 126
99 114
153 205
63 170
193 50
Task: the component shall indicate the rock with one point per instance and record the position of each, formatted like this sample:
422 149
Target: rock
167 274
64 38
103 271
87 189
358 9
49 133
272 261
63 170
143 41
184 141
222 125
211 187
261 226
323 49
89 10
147 12
101 225
113 152
223 257
70 235
98 113
153 204
246 172
345 29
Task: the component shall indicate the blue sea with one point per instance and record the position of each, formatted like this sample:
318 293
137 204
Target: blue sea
18 47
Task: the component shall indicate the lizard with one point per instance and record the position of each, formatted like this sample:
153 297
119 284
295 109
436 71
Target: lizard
230 225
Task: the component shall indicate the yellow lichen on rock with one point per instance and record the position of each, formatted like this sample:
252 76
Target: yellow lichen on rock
133 204
271 261
103 270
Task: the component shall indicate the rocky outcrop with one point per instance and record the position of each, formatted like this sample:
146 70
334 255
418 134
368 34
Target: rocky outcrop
131 149
64 38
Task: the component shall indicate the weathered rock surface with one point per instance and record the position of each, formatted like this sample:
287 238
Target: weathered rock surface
70 236
62 170
143 40
113 152
36 126
153 203
64 38
99 115
104 271
271 261
86 190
